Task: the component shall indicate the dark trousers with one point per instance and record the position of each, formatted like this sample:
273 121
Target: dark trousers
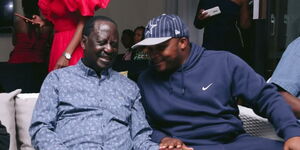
245 142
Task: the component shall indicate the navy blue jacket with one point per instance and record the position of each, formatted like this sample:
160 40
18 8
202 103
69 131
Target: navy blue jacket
197 103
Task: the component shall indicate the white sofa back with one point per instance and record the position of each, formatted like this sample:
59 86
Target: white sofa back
15 114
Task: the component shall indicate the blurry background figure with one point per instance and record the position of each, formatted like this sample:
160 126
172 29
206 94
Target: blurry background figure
222 31
138 34
122 61
28 61
31 43
68 18
127 41
139 59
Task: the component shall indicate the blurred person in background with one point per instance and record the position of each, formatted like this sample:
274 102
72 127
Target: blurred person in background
222 31
68 18
139 59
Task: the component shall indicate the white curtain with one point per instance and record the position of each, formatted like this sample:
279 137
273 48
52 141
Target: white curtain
186 9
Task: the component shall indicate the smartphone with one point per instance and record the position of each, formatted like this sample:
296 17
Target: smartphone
23 17
212 11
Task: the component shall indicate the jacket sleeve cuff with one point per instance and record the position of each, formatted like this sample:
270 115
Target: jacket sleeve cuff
157 136
291 131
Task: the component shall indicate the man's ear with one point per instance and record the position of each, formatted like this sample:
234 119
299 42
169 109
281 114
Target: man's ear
183 42
83 41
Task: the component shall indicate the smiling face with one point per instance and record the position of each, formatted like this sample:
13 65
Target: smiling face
170 55
100 46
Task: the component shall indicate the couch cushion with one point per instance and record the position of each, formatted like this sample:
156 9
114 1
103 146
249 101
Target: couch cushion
7 115
24 105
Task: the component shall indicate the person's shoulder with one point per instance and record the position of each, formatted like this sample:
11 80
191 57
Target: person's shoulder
214 54
217 54
123 84
224 58
63 71
147 72
294 46
122 79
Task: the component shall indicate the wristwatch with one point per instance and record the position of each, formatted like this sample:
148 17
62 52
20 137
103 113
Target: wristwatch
67 55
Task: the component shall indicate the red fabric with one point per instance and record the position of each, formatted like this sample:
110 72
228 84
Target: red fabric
62 39
29 49
62 13
86 7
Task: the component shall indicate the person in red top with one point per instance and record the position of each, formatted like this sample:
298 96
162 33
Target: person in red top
68 18
30 42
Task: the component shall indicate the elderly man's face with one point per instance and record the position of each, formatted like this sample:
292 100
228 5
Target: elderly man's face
101 46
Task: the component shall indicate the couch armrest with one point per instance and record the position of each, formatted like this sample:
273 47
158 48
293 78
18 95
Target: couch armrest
256 125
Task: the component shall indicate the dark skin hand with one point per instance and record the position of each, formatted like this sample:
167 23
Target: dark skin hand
292 144
202 15
168 143
293 101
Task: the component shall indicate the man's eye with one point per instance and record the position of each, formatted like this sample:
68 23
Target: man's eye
114 44
161 47
102 43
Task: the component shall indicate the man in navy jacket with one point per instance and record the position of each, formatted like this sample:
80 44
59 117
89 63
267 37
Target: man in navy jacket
189 94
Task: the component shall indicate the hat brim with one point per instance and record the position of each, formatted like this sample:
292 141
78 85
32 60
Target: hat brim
151 41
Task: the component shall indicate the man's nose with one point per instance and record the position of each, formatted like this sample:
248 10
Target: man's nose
108 48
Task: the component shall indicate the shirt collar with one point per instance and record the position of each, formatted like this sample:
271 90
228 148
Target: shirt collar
106 73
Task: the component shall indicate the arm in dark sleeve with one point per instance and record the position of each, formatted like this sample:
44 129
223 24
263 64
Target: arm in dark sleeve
263 98
157 135
198 23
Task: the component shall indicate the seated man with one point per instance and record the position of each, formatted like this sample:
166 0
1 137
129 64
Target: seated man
89 105
190 94
287 76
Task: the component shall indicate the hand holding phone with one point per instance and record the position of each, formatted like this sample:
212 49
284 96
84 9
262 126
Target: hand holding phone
212 11
23 17
202 15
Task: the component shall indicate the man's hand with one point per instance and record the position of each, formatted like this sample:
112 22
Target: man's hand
202 14
292 144
169 143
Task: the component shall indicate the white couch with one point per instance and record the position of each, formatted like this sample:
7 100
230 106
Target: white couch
15 114
256 125
16 111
